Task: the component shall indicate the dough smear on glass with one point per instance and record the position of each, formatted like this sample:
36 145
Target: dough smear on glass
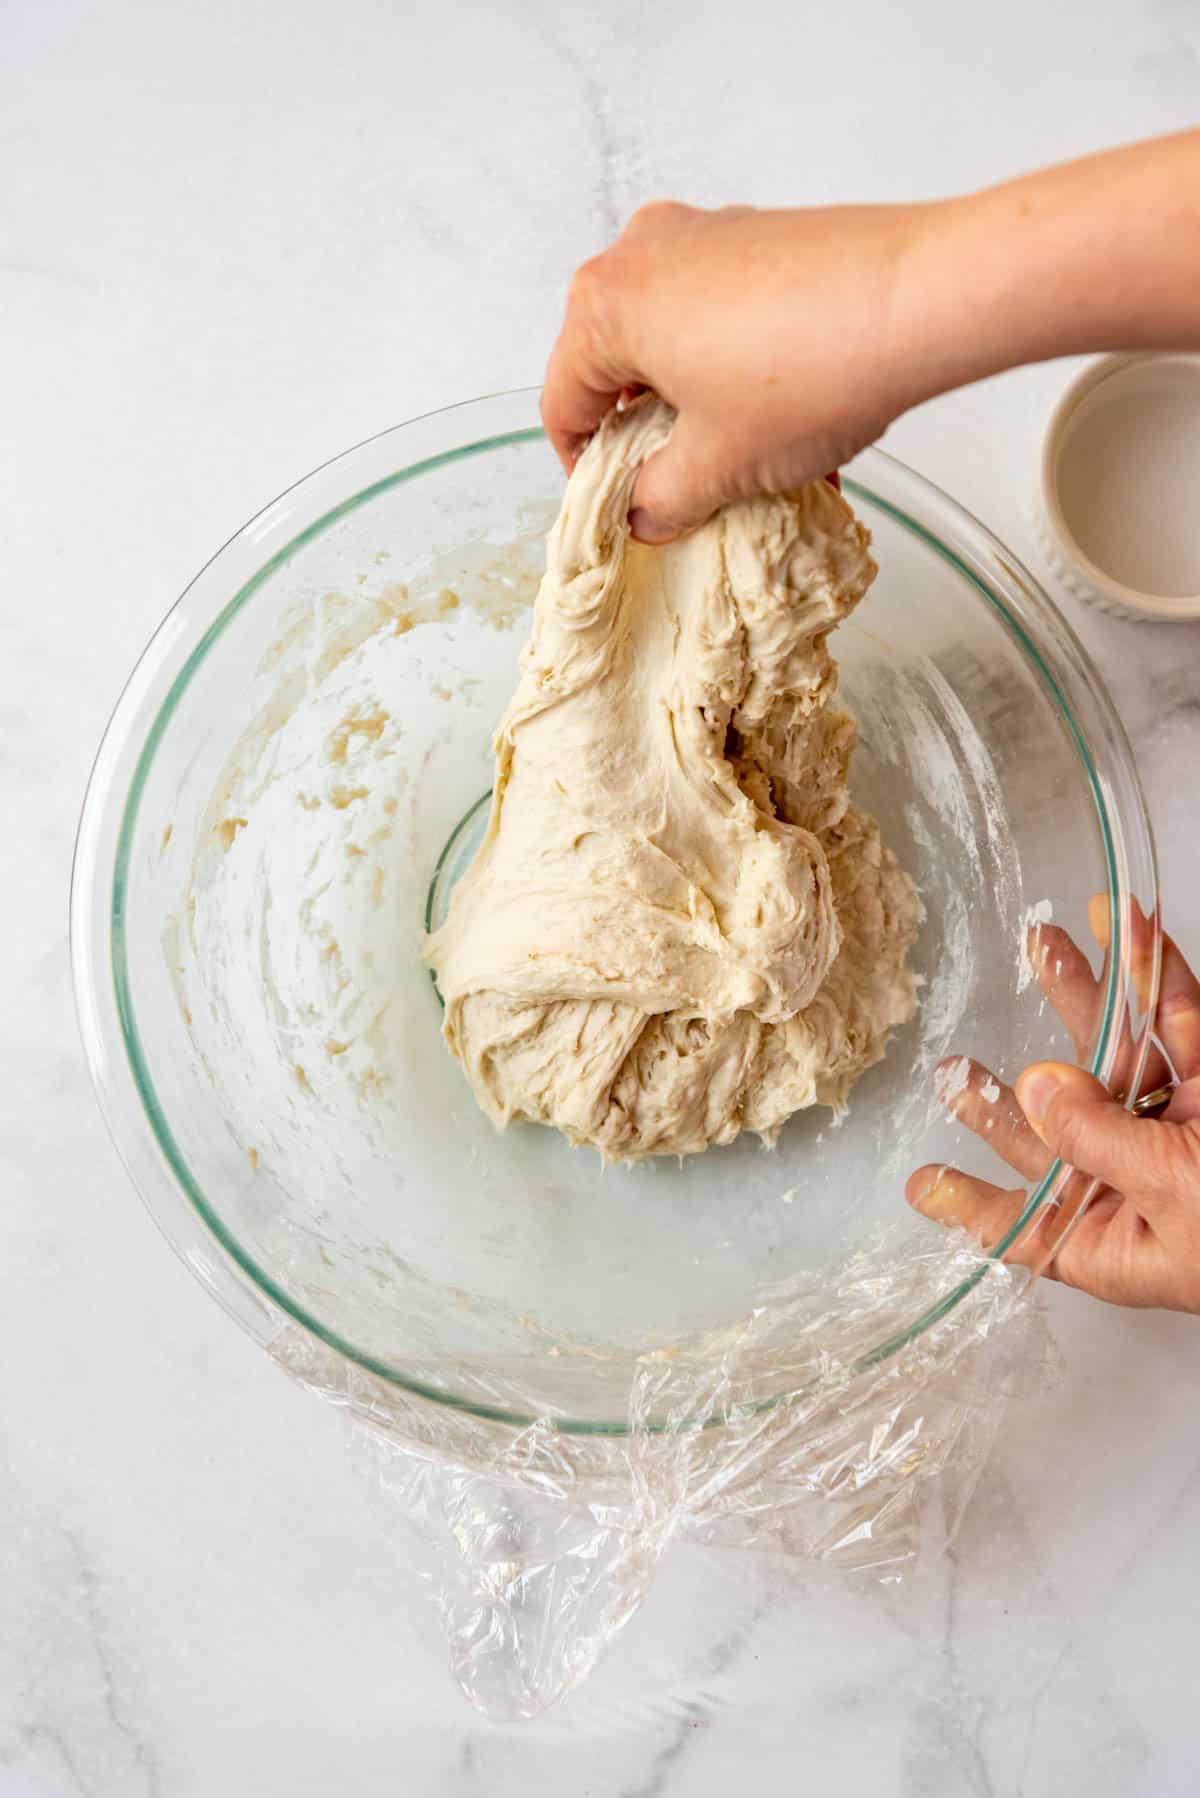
677 927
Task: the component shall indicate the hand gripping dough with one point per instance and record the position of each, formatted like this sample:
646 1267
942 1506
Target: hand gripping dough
677 928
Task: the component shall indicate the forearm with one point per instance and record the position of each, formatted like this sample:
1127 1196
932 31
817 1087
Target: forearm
1100 254
787 340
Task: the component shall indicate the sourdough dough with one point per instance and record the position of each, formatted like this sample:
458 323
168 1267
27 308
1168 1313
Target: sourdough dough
677 927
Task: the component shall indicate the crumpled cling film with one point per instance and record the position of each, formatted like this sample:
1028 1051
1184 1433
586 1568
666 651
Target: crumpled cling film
543 1543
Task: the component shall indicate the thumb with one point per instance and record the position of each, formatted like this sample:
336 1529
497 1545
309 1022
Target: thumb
1080 1121
681 485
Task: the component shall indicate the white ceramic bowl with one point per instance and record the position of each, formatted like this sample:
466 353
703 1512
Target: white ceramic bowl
1120 480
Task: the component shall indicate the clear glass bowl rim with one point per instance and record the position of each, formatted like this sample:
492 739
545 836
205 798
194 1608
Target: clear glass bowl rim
108 1024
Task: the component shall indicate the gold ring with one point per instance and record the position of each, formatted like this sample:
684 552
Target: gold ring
1153 1104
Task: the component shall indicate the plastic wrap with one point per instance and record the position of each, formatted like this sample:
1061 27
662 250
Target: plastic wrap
790 1431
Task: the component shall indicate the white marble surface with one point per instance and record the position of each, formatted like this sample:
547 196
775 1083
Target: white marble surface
235 239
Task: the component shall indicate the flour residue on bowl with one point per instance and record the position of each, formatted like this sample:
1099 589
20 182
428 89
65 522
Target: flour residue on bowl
1029 941
291 946
305 890
344 806
914 724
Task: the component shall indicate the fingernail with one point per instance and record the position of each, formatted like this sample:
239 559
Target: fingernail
1035 1090
1098 919
931 1198
648 529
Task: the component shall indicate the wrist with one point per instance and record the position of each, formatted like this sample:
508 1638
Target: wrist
1099 254
956 316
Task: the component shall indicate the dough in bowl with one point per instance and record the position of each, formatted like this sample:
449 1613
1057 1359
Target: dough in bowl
677 927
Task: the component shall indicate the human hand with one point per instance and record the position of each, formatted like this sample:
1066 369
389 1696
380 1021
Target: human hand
788 340
1138 1242
773 334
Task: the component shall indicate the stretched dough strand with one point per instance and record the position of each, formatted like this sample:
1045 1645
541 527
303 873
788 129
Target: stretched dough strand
677 927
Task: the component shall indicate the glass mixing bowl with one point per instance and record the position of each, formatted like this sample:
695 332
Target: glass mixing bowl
292 780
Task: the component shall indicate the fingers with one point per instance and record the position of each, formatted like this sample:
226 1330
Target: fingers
1179 1012
573 404
1185 1103
948 1196
1132 1184
1065 976
587 371
1177 1021
1145 1158
1105 1249
594 362
1109 1251
680 486
973 1094
1139 932
1140 956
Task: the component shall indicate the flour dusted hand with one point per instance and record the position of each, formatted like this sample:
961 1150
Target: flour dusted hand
677 928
